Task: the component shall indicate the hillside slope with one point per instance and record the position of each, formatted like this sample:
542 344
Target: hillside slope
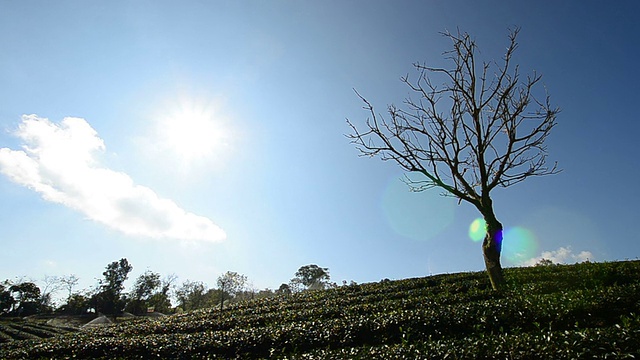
563 311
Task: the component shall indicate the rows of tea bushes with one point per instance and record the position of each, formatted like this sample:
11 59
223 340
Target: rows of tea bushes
24 330
579 311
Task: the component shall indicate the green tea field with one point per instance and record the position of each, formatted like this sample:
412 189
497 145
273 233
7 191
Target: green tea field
588 310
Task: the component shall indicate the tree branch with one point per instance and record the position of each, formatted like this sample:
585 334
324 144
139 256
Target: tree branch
492 134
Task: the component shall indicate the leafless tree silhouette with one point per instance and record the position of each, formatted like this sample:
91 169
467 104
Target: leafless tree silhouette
481 128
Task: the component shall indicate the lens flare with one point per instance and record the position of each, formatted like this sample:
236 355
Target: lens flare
477 229
519 245
419 216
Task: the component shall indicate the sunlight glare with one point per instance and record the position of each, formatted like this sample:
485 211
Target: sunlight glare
193 131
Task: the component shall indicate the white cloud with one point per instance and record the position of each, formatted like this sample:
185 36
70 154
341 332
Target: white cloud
58 161
563 255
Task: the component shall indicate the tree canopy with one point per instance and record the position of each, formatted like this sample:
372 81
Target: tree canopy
312 276
230 283
109 299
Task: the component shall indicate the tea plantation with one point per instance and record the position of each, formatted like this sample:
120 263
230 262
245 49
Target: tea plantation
23 330
589 310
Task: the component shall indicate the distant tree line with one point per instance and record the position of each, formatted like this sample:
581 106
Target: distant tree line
150 292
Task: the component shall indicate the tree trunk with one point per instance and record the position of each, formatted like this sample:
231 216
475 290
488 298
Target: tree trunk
491 248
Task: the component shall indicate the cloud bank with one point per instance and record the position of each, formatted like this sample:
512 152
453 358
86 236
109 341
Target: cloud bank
58 161
563 255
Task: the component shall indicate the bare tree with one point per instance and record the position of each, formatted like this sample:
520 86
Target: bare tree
479 129
50 285
68 283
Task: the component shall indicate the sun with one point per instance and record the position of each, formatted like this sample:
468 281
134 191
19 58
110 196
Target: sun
193 131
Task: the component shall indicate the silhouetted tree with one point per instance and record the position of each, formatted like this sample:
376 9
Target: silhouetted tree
76 304
192 295
150 291
6 299
109 299
145 286
284 289
481 128
230 283
312 277
160 300
544 262
27 296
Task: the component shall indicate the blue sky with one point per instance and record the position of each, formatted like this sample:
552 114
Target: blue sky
199 137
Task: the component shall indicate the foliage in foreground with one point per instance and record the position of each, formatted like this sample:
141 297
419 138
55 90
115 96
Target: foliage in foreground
579 311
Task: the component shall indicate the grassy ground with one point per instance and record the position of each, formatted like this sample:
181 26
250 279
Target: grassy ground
589 310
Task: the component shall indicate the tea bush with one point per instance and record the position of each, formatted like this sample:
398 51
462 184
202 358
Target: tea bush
579 311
